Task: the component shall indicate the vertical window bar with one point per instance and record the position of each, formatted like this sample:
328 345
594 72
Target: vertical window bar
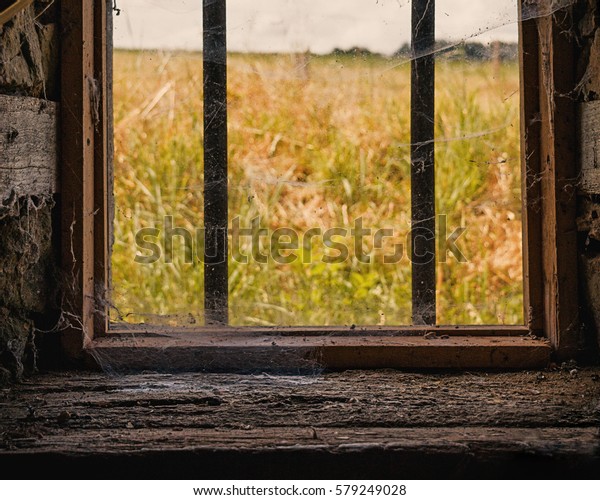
422 163
215 162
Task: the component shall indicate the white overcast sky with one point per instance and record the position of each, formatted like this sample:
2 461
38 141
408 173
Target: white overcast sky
315 25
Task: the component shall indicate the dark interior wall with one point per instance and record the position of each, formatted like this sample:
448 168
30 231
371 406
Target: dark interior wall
29 59
589 41
588 95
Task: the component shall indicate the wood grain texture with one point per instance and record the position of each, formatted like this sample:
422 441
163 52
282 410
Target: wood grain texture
103 155
13 9
350 425
533 286
589 116
320 331
79 111
28 147
558 183
234 352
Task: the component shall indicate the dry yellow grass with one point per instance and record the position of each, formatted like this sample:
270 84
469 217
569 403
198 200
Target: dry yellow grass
318 146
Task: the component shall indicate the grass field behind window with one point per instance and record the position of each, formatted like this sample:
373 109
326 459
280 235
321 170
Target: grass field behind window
318 142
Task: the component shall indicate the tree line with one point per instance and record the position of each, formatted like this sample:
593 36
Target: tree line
473 51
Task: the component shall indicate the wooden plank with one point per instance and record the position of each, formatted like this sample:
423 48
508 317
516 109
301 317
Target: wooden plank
350 399
310 453
367 422
340 440
28 147
589 118
316 331
103 152
558 183
79 100
533 286
13 9
185 351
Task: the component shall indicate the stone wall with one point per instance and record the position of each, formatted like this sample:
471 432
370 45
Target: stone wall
587 93
29 57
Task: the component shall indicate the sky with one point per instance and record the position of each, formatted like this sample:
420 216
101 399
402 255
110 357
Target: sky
316 25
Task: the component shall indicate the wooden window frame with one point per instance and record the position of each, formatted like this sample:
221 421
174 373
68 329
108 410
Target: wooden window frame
549 165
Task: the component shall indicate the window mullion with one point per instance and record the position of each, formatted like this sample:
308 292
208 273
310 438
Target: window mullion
422 163
215 162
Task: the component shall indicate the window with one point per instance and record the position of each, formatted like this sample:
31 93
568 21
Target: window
87 211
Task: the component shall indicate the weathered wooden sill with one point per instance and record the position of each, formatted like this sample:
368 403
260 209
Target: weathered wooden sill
351 425
258 351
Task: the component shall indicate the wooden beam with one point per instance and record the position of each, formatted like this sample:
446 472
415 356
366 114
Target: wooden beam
247 353
371 398
327 331
28 147
558 182
533 299
103 152
79 115
13 9
290 452
352 424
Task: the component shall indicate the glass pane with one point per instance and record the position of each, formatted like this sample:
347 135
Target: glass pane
478 167
318 106
319 162
158 130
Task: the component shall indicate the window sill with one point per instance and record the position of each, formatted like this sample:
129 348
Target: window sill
231 351
354 425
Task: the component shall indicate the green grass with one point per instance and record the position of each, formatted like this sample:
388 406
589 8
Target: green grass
318 145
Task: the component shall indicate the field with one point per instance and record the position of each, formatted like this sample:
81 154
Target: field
317 142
